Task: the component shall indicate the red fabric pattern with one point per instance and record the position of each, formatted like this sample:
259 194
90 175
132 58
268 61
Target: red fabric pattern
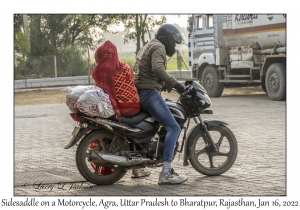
126 93
104 74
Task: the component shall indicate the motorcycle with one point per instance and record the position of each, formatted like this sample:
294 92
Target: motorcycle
109 147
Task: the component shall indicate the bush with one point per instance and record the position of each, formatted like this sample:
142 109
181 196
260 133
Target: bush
68 63
71 65
43 66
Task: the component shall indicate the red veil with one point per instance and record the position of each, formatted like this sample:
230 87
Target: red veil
108 66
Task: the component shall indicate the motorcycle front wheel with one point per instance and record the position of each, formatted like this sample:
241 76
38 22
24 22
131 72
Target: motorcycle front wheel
209 162
98 140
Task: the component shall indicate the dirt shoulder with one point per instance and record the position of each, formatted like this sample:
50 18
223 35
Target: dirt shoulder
35 97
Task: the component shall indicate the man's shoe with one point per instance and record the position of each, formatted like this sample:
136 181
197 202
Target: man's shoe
140 173
171 178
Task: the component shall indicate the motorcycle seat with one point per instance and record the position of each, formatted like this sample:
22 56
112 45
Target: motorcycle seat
136 118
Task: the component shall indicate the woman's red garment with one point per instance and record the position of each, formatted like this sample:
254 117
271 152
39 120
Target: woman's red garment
116 80
127 96
108 66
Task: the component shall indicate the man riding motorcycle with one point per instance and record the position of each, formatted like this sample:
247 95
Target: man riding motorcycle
150 74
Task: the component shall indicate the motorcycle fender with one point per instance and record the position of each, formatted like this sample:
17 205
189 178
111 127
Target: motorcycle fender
192 135
214 123
82 132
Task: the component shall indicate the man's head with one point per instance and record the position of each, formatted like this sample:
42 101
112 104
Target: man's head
169 36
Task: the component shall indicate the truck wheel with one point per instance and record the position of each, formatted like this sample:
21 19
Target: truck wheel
210 81
263 87
276 82
263 84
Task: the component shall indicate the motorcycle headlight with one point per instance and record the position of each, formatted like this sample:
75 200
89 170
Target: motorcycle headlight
204 97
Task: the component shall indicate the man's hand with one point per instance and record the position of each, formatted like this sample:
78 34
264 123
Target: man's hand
179 87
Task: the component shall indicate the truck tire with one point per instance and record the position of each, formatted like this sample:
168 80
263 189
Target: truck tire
263 84
276 82
210 81
263 87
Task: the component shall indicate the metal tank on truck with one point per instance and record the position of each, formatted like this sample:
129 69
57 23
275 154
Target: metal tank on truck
239 50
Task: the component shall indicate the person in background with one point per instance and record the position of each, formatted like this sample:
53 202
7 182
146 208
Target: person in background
150 75
116 79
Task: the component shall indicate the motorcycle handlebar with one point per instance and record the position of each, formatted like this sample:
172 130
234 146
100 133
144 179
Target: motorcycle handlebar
188 89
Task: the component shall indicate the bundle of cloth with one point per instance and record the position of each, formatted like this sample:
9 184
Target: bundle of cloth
90 100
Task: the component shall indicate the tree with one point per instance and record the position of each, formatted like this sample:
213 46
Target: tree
18 27
52 33
83 30
21 40
85 20
66 35
138 25
75 26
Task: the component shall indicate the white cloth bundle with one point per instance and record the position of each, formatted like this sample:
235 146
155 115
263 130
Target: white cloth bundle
95 103
73 95
90 100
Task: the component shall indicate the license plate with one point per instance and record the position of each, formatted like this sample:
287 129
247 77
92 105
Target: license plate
75 131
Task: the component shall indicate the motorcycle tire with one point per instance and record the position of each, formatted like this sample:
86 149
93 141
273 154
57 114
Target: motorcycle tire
91 171
208 162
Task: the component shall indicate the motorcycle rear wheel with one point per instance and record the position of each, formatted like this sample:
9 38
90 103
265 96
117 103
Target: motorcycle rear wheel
94 172
208 162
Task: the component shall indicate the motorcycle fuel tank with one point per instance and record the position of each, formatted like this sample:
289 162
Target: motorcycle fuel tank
177 110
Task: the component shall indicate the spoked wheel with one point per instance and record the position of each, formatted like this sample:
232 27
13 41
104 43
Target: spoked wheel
209 162
96 173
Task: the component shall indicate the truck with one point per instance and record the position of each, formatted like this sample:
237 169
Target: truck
238 50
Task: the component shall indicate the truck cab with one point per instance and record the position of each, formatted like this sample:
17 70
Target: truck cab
237 50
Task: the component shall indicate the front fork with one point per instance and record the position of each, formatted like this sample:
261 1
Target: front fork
204 127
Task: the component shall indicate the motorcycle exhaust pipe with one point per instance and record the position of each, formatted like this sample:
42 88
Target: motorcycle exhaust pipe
98 157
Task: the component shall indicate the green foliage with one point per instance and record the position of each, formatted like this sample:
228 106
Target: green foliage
21 40
69 37
71 63
68 63
52 32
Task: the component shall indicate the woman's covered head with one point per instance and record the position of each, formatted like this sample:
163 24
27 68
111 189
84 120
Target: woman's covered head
106 52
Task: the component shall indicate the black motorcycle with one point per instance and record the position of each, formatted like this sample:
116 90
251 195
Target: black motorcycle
110 147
